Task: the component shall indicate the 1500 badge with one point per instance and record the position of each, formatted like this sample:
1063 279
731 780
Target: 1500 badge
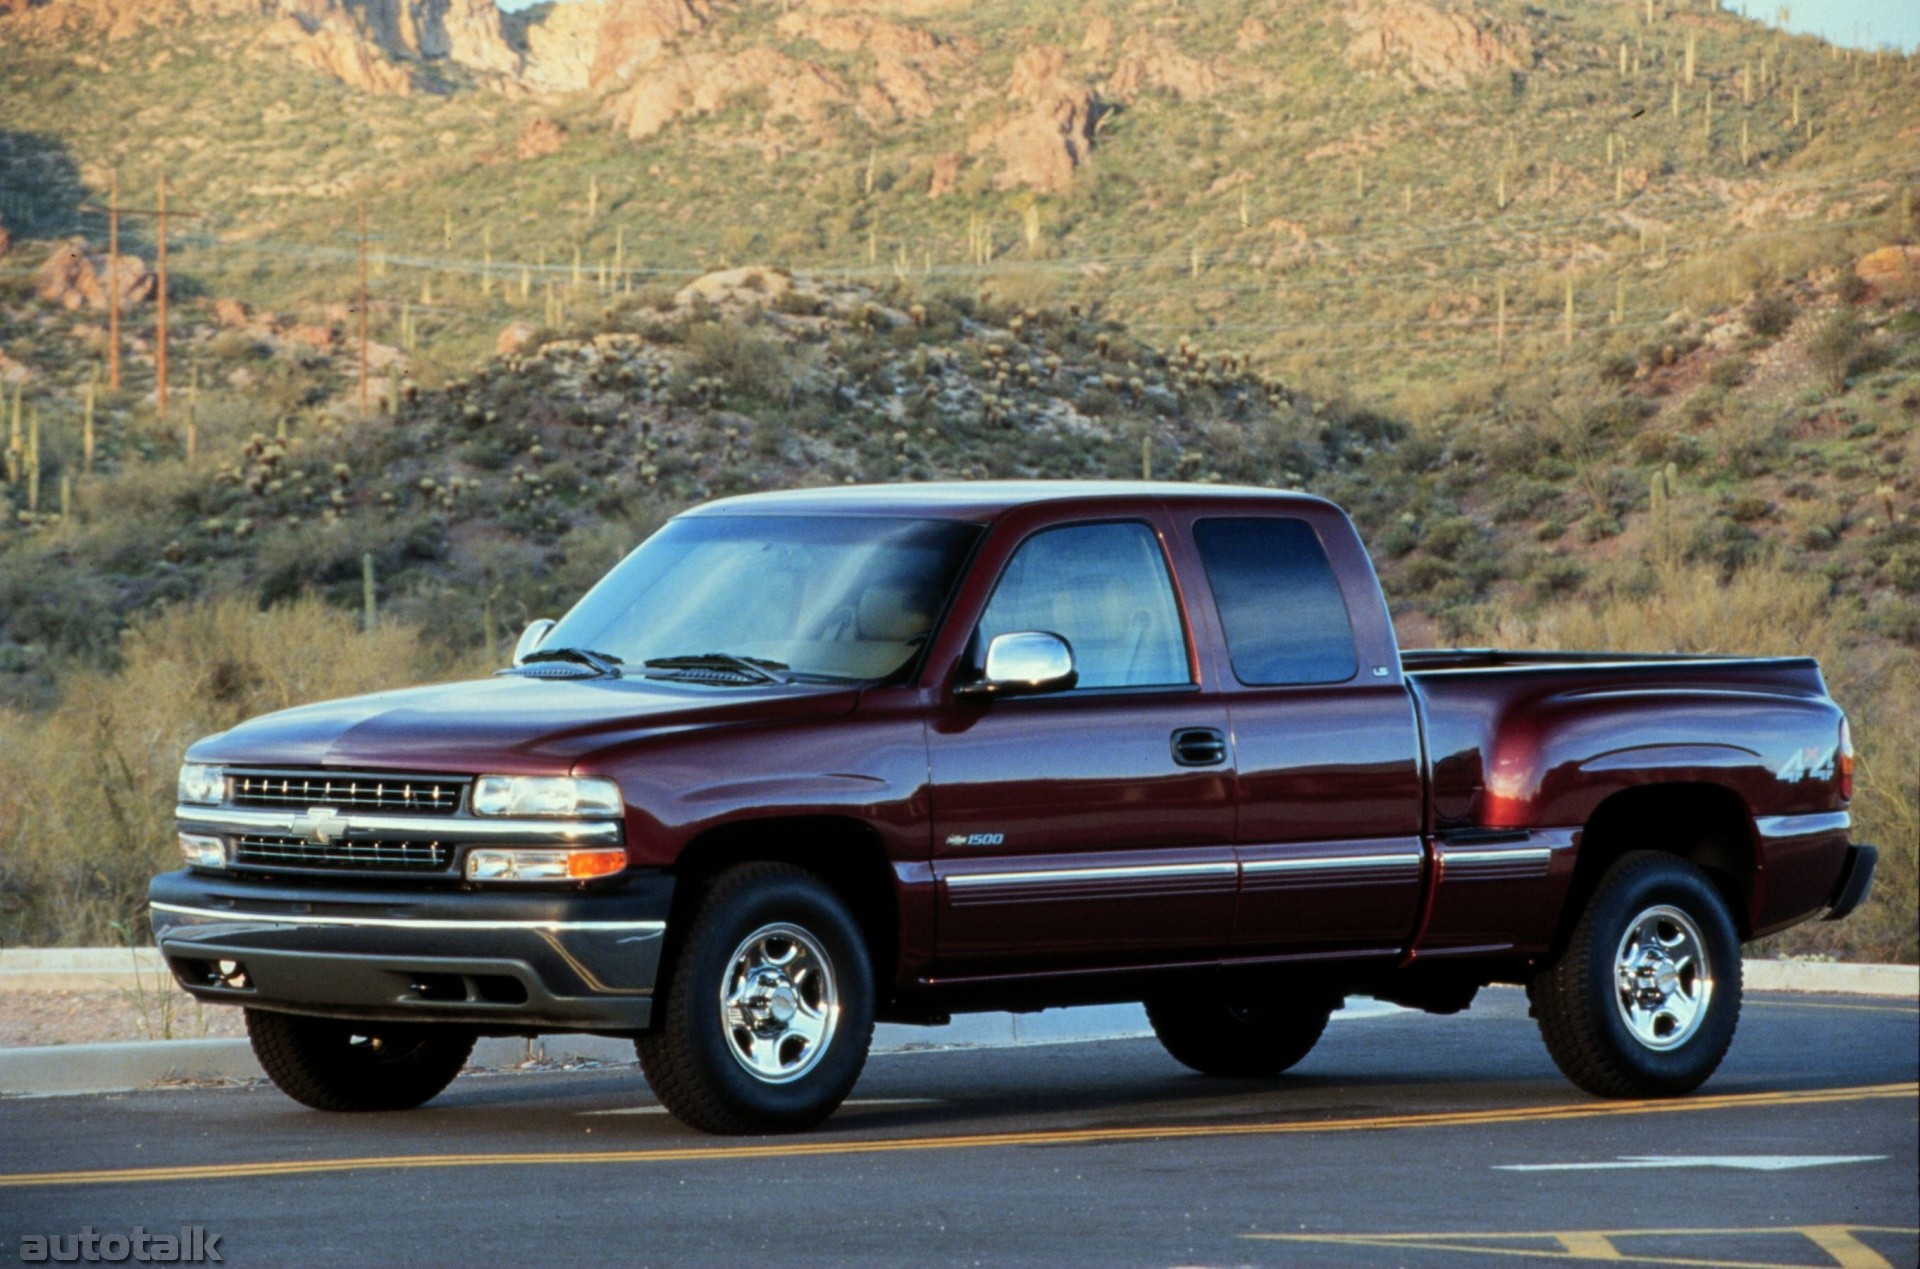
977 839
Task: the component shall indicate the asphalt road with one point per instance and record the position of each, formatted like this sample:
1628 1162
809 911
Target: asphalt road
1395 1143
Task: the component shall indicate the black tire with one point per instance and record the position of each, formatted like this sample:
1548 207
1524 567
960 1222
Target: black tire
697 1060
1580 1006
1242 1034
356 1066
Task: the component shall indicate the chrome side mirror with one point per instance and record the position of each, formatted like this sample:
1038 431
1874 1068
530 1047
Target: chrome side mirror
1024 663
531 638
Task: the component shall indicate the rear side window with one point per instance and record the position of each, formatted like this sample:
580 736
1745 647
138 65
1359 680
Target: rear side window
1279 603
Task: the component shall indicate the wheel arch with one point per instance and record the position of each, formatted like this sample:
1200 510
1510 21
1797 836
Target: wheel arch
1707 824
845 852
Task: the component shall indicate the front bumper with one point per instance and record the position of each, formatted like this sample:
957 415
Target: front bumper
503 963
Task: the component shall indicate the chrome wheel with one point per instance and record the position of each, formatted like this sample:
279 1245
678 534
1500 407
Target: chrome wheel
1663 982
778 1003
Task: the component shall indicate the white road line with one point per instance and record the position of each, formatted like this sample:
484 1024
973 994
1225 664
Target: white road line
1744 1162
847 1105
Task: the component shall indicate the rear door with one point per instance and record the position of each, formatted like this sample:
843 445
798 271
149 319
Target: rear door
1092 827
1328 754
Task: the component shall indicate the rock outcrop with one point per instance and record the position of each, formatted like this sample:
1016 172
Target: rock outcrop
704 83
72 278
1150 62
1052 134
1426 46
907 61
540 138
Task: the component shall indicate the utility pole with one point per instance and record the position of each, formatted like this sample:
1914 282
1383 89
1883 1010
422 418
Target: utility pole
363 307
160 312
161 213
113 283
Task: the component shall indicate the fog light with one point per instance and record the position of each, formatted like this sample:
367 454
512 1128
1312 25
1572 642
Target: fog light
203 852
544 865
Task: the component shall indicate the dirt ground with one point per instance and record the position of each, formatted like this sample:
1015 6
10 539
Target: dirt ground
161 1012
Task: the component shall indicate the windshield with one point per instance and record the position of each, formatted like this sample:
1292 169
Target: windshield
846 597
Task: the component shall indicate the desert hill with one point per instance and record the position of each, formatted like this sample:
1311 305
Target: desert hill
1604 320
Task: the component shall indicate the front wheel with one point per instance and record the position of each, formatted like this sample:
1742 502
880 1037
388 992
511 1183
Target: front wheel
1239 1032
769 1006
356 1066
1645 998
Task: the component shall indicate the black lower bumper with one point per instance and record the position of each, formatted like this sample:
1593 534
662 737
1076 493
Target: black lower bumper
1856 881
500 962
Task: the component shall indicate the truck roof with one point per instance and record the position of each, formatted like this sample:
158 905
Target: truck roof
988 499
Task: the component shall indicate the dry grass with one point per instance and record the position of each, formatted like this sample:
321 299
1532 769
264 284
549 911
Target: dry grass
1765 610
87 789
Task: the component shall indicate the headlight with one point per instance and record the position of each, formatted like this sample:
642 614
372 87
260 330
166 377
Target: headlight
544 865
202 785
545 795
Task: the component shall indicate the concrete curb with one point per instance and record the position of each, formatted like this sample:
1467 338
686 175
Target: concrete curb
70 1069
1834 977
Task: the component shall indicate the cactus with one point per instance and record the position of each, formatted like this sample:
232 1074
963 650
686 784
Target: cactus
369 604
1688 64
33 461
13 438
1660 498
87 423
593 197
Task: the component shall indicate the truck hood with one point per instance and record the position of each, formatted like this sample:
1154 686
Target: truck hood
510 725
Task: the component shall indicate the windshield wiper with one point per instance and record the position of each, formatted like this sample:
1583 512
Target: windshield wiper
602 662
758 669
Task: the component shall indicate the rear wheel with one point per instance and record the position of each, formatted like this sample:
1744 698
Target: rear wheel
769 1006
1232 1032
356 1066
1646 997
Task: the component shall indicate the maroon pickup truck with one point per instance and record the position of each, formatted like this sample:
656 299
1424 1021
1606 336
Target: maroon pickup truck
805 761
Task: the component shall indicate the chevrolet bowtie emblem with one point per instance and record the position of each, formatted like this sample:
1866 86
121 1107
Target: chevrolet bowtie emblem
321 825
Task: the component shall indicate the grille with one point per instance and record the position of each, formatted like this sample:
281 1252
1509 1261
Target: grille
347 791
369 856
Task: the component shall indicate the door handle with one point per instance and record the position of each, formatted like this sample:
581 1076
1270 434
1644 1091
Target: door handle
1199 746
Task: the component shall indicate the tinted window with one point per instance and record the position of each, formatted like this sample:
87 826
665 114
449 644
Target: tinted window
1104 589
1284 617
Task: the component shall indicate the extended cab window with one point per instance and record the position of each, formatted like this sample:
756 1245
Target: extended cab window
1103 588
1279 602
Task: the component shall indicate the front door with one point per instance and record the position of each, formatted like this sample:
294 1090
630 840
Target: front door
1090 827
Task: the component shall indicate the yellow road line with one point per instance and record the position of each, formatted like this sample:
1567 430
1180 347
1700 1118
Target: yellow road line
1836 1241
974 1141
